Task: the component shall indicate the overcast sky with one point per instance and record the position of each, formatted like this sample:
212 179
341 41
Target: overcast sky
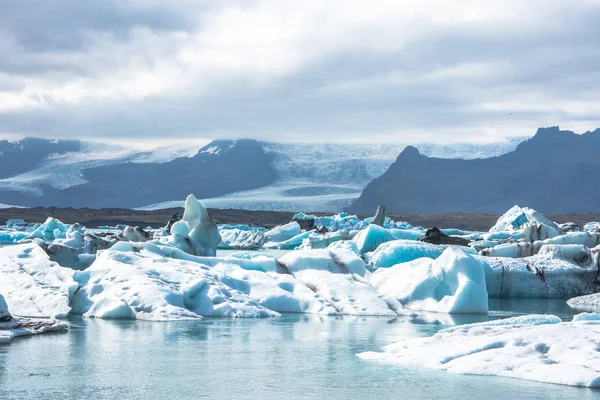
381 71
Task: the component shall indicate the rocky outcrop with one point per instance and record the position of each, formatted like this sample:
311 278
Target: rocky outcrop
435 236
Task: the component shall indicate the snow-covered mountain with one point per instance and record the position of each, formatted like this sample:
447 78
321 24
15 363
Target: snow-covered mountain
276 176
329 177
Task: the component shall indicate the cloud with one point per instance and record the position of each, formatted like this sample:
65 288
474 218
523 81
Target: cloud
457 70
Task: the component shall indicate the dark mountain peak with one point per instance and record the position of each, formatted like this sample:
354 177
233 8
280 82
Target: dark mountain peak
223 146
410 152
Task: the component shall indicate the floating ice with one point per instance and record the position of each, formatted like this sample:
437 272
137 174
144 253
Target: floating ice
531 223
197 228
11 327
370 238
337 276
590 302
148 286
241 239
454 283
401 251
537 347
284 232
542 276
33 285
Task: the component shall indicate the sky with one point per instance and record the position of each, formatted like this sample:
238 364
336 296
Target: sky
298 71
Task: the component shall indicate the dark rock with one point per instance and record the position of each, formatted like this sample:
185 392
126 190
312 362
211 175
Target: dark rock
307 224
435 236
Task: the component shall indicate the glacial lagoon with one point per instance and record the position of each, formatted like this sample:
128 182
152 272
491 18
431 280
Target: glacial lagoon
292 357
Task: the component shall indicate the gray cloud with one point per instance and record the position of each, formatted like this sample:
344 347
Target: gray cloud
443 71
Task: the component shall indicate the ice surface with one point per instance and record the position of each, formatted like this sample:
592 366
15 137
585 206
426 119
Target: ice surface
337 276
544 276
33 285
284 232
241 239
401 251
538 348
370 238
531 223
453 283
148 286
11 327
589 302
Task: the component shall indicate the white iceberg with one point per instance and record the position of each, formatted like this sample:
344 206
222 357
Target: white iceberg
11 327
239 239
531 223
534 347
590 302
545 276
453 283
33 285
338 276
197 229
283 232
144 285
401 251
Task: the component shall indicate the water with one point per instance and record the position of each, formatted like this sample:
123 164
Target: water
293 357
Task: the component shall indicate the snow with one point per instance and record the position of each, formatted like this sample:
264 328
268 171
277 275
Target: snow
401 251
538 348
33 285
329 177
453 283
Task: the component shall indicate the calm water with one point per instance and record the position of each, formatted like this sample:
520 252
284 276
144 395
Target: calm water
293 357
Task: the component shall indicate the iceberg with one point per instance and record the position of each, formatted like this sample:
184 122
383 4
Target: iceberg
544 276
144 285
454 283
284 232
50 230
533 225
370 238
402 251
33 285
199 227
533 347
338 277
278 292
241 239
590 302
11 327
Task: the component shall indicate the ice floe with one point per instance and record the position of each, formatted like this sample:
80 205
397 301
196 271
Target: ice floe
11 327
453 283
533 347
32 284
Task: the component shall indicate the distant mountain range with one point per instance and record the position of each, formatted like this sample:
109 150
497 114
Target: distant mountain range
242 173
556 171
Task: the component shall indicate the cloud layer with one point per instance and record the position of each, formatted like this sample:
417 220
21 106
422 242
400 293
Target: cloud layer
383 70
